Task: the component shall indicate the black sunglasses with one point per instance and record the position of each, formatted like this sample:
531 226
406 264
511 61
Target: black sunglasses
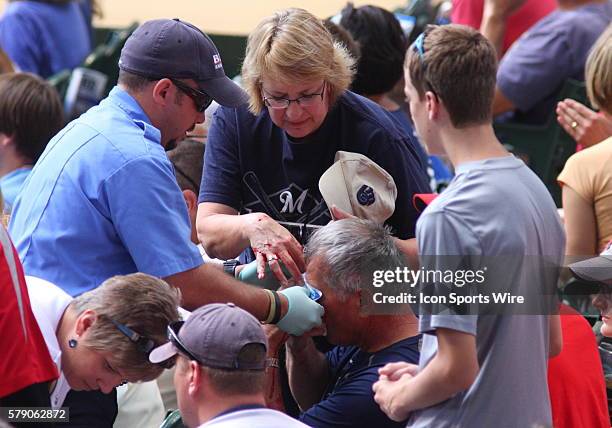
173 331
143 343
201 99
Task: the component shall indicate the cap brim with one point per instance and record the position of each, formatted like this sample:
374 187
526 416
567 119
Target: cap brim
596 269
162 353
224 91
421 200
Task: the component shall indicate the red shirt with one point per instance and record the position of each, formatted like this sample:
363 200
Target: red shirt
469 12
24 357
575 377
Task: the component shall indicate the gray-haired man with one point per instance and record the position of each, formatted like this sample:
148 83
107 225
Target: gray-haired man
335 388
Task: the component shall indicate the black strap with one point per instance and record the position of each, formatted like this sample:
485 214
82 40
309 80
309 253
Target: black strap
277 312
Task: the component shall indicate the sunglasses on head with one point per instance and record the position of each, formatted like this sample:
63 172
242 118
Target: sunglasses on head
143 343
419 48
173 336
201 99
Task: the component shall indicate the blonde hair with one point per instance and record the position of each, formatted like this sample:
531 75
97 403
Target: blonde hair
143 303
293 46
598 72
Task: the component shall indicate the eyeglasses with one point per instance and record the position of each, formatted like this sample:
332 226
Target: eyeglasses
143 343
201 99
173 331
308 100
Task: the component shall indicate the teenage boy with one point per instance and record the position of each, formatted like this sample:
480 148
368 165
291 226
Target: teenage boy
474 369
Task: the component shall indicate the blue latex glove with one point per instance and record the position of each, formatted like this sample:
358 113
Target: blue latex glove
303 313
248 274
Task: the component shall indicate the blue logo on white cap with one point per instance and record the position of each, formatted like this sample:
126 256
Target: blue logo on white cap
365 195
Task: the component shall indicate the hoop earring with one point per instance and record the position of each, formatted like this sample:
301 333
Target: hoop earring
72 343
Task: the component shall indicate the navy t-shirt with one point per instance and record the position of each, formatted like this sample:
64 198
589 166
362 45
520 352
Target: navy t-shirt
251 165
349 400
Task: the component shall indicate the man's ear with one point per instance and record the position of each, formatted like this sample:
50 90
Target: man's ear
432 103
163 92
5 140
195 377
191 199
84 321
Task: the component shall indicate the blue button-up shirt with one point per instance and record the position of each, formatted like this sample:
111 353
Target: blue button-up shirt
103 200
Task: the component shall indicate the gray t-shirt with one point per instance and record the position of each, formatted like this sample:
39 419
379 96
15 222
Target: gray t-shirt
494 209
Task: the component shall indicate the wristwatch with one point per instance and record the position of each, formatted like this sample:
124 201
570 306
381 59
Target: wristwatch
229 267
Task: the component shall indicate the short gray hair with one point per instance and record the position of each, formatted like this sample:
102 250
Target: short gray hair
351 250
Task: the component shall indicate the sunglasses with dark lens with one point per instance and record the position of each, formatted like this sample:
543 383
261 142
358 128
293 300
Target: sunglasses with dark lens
143 343
173 336
201 99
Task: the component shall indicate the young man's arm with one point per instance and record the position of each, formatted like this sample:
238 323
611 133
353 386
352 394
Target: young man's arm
308 371
453 369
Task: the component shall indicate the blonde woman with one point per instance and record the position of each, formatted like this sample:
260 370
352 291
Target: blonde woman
263 160
587 176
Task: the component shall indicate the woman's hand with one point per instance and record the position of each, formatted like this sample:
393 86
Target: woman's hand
272 244
583 124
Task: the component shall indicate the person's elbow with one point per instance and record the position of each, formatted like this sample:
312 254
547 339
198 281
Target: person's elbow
501 104
463 376
555 348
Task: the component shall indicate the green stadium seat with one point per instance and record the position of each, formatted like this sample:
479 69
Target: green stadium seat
544 148
105 57
232 50
60 82
173 420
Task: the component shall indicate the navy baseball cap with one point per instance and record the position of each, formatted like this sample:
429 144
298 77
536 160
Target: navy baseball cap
214 335
174 48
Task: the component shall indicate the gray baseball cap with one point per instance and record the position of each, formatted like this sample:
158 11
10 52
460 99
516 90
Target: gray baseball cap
174 48
214 335
596 269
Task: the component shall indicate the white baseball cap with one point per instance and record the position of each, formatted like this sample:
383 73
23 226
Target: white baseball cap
358 185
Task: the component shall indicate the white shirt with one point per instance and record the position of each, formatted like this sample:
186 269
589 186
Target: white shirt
48 305
254 418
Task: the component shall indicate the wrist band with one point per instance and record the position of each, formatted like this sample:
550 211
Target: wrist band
229 267
272 310
277 308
